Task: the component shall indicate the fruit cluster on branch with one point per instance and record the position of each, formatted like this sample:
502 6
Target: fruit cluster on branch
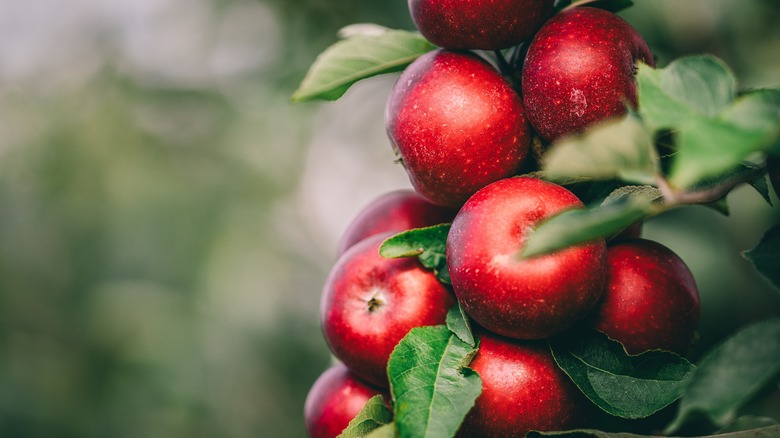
511 292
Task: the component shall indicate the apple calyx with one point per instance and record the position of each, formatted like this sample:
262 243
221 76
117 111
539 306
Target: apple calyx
376 302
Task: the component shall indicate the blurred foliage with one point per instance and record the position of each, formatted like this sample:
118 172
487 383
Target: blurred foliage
155 276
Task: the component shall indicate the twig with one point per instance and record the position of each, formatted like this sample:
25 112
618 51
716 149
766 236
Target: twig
673 197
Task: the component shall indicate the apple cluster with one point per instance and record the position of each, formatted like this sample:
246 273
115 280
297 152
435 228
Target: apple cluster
369 303
463 133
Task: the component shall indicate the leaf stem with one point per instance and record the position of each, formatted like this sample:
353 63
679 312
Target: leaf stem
674 197
669 194
577 3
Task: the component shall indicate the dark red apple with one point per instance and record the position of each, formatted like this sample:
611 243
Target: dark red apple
650 301
580 69
457 126
370 303
394 212
524 298
334 400
479 24
522 389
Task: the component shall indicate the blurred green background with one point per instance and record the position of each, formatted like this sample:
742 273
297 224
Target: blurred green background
167 217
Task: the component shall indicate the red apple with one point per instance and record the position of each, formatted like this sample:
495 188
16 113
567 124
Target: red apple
396 211
580 69
457 126
370 303
333 401
479 24
522 389
524 298
650 301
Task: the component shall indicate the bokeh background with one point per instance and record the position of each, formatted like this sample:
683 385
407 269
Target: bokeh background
167 217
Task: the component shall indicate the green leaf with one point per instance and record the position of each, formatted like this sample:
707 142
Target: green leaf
755 110
766 256
620 384
386 431
648 194
694 85
708 147
732 374
766 432
721 206
373 415
432 386
695 97
760 184
359 57
619 148
573 227
773 171
538 174
429 244
747 422
753 175
593 192
459 324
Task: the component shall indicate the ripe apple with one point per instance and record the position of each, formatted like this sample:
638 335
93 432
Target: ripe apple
457 126
334 400
369 303
524 298
650 301
394 212
480 24
522 389
580 69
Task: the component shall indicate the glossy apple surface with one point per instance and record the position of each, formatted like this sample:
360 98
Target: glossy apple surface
370 303
522 389
457 126
333 401
524 298
479 24
580 69
651 300
394 212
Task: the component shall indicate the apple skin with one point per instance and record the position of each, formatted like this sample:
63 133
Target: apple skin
580 69
369 303
334 400
651 300
529 298
522 389
457 126
396 211
481 24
